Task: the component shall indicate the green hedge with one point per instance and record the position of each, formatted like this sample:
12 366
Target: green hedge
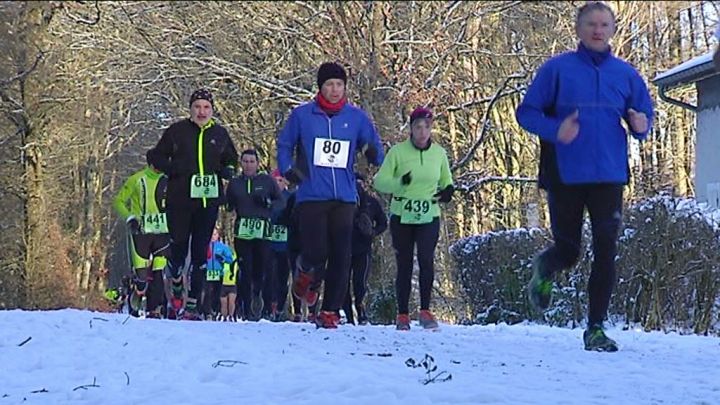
667 264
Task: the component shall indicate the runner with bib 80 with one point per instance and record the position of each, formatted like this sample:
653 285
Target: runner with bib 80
325 134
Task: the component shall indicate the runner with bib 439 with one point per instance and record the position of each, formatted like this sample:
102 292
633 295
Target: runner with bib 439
417 174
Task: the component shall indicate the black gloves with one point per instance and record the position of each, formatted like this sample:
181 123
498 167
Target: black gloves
406 179
445 195
294 176
133 225
219 258
364 225
227 172
371 154
260 199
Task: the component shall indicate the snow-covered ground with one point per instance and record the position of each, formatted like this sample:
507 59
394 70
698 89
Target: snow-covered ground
133 361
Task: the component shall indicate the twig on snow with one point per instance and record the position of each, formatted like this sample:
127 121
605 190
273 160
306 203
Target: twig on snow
227 363
85 387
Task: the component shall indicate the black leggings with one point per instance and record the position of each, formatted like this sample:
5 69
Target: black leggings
255 255
211 297
567 207
196 224
404 239
326 231
155 292
297 304
279 284
360 269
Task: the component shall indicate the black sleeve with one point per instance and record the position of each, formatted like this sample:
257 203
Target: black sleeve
275 194
231 197
378 214
161 155
287 212
229 157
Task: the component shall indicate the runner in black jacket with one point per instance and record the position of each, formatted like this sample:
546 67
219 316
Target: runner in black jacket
195 154
370 222
252 196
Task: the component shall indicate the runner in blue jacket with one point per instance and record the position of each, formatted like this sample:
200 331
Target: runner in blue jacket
576 105
326 134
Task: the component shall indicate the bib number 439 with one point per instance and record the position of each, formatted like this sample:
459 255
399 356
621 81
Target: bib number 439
416 212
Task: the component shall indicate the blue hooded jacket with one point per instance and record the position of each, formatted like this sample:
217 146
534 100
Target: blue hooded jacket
215 251
602 94
308 122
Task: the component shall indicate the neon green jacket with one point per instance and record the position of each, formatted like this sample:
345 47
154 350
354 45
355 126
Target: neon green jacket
145 190
429 169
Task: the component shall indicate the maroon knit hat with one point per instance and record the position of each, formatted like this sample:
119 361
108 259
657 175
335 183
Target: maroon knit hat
421 113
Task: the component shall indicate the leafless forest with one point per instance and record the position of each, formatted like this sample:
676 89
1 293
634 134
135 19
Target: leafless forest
87 87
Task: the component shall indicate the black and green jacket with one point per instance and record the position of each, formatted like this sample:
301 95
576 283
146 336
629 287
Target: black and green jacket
185 150
145 192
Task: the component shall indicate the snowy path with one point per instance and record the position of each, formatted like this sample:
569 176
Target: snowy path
172 362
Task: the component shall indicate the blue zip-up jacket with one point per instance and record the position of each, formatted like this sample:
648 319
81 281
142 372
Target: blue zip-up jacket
602 94
308 122
218 249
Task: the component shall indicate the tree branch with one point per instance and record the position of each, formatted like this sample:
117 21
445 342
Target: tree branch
22 75
82 20
485 122
473 185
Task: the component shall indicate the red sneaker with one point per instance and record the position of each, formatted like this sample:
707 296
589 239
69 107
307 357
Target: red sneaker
311 297
327 320
427 319
301 284
402 322
175 308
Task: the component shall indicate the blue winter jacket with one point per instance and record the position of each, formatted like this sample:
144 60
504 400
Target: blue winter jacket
215 251
308 122
602 95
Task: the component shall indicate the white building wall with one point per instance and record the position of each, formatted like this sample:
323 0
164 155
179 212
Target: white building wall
707 166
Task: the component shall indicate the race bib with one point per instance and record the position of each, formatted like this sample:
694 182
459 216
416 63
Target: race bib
213 275
415 212
250 228
278 233
204 186
331 152
154 223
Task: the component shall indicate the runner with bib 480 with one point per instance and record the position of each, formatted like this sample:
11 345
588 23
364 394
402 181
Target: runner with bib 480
253 195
